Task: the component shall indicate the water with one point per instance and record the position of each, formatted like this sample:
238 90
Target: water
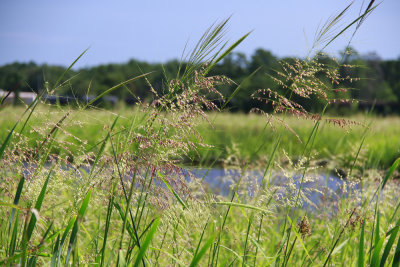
318 188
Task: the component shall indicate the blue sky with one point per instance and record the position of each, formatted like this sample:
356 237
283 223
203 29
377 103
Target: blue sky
56 32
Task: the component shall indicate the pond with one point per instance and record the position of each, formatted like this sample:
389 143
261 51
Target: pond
318 187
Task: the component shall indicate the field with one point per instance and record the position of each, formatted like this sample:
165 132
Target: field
89 187
83 216
234 138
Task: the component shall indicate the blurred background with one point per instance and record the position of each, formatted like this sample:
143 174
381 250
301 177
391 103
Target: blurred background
39 39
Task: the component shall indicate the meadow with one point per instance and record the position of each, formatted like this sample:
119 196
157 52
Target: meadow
232 137
58 209
88 187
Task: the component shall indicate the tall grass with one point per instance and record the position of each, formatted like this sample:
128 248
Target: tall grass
232 136
124 200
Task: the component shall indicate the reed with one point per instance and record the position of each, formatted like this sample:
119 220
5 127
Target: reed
120 196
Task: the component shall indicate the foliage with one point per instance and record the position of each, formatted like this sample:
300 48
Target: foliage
125 201
377 79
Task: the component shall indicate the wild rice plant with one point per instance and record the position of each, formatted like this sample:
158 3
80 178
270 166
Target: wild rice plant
125 199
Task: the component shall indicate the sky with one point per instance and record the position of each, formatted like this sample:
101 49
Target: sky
56 32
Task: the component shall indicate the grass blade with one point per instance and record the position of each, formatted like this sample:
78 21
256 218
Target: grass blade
146 243
239 87
225 53
103 145
377 227
396 258
197 257
38 206
201 238
390 172
13 240
234 204
74 232
113 88
377 250
389 245
64 236
108 219
55 252
128 202
338 238
5 143
361 246
172 190
68 69
349 25
16 200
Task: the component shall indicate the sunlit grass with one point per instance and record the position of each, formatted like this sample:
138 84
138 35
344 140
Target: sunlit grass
110 188
234 134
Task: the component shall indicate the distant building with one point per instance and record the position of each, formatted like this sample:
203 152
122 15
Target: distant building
25 97
29 97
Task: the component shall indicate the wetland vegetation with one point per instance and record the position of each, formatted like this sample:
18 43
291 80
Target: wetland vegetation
87 186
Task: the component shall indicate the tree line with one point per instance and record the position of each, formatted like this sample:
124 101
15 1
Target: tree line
375 80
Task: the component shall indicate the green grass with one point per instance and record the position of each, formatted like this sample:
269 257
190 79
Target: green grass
245 132
72 222
232 136
86 187
84 218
